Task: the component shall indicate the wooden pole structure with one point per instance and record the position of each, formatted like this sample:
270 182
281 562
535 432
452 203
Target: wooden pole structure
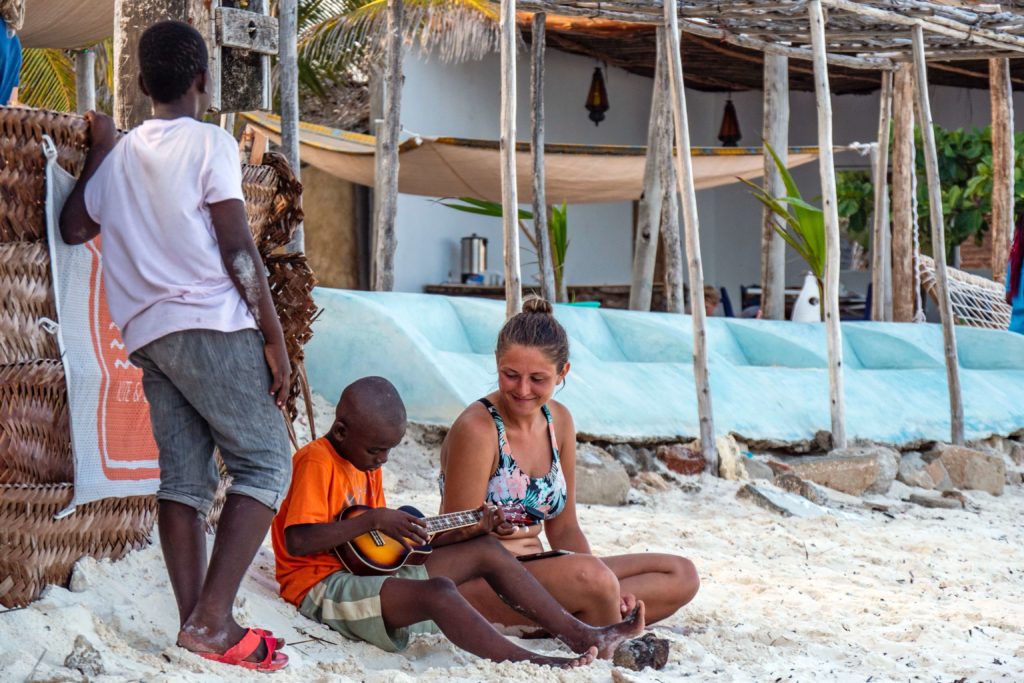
659 136
881 286
956 408
684 171
540 207
1001 97
386 171
288 80
903 227
671 242
775 131
827 170
509 191
85 80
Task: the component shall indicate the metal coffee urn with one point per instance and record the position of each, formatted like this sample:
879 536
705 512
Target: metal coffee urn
474 259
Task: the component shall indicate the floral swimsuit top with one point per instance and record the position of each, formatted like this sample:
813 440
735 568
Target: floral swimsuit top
543 497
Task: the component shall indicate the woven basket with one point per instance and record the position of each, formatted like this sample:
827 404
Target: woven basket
37 550
291 286
26 297
273 202
35 444
23 166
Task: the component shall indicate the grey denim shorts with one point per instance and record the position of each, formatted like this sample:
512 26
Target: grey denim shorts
207 388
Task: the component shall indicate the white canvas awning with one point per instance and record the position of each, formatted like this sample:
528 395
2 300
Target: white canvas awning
459 167
67 23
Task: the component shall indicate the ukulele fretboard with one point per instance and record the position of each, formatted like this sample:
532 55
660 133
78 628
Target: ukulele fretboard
453 520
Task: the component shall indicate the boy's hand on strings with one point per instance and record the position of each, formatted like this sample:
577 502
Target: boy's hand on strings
280 370
102 131
399 525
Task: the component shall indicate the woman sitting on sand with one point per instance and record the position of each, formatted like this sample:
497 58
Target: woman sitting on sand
477 465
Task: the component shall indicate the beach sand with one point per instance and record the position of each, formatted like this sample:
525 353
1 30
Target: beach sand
911 594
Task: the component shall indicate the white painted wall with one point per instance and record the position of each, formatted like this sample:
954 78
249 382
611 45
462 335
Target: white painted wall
462 100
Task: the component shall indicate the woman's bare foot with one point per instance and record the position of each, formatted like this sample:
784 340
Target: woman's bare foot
610 637
566 663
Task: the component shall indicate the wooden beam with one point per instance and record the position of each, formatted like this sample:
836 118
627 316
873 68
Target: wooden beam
540 207
956 408
85 80
659 137
903 224
1001 224
688 200
288 80
881 285
509 193
827 170
386 177
775 131
671 241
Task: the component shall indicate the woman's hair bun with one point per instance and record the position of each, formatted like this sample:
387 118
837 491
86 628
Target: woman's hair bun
535 304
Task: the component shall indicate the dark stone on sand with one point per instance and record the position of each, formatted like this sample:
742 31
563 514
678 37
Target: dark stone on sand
940 502
640 653
794 484
681 459
84 658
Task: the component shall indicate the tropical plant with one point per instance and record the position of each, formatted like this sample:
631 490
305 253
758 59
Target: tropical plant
855 201
799 223
47 79
558 231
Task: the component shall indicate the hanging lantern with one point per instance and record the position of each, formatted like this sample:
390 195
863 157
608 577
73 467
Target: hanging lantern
729 133
597 98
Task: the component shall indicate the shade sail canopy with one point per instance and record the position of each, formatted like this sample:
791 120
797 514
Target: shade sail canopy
67 23
459 167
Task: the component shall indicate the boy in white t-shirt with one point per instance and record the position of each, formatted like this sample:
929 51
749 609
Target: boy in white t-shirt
185 284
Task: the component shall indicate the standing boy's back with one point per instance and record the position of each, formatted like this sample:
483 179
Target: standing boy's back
185 284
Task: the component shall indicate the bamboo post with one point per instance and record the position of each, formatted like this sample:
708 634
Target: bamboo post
288 82
509 192
1001 97
827 170
659 136
775 131
85 80
903 227
956 409
881 290
540 207
386 169
684 171
671 242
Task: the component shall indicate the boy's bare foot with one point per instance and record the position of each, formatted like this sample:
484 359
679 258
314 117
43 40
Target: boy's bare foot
566 663
201 639
610 637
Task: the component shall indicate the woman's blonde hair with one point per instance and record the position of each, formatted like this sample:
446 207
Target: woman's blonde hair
536 327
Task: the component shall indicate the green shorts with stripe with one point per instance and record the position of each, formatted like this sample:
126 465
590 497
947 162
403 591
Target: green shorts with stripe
350 605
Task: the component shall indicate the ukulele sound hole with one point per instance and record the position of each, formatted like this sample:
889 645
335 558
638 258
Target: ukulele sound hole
376 538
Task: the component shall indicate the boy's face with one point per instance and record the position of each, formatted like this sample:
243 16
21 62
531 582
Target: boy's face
366 446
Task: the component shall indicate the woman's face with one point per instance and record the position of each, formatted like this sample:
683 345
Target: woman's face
527 378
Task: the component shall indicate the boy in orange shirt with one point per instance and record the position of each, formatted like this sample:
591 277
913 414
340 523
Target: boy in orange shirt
343 469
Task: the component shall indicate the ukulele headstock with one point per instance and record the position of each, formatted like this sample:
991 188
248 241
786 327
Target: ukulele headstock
517 514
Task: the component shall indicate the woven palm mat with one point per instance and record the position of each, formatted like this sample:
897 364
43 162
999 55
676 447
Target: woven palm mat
36 466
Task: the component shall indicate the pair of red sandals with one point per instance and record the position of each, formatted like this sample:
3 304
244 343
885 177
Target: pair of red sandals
237 654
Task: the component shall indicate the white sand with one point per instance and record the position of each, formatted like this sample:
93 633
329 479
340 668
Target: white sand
923 595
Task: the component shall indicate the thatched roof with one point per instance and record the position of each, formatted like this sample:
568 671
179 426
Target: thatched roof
714 65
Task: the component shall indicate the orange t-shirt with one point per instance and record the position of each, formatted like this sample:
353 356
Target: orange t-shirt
323 484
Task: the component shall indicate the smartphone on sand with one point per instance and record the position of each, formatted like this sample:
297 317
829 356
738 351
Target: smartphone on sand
543 555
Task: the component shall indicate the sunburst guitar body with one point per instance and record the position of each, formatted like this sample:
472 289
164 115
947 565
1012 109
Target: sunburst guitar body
375 553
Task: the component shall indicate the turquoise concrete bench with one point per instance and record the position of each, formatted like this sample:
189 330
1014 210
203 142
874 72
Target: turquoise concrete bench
632 374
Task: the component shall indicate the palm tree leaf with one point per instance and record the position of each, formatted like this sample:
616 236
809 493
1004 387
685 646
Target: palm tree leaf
47 79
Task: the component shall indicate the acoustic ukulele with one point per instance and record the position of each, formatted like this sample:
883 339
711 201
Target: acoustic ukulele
375 553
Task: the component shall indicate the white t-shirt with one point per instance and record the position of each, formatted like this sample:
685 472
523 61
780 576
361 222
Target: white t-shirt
162 269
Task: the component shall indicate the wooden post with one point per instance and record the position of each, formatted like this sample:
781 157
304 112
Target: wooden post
540 207
1001 97
288 75
775 130
659 137
509 191
85 80
881 289
684 170
671 242
386 172
903 226
829 206
956 408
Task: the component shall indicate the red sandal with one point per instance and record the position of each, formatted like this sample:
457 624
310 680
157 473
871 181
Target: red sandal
269 635
235 655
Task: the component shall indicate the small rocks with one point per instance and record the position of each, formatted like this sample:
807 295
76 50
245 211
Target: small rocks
681 459
783 502
1016 452
651 482
971 469
626 457
757 469
935 502
850 470
600 478
888 466
730 458
84 658
794 484
640 653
